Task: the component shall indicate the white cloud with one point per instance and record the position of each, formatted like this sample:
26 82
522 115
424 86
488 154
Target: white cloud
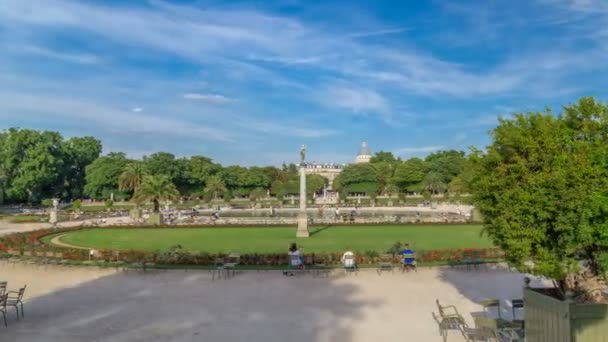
284 128
177 30
210 98
101 116
137 109
377 32
79 58
358 101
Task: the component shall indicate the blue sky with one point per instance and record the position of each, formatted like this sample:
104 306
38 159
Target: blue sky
248 82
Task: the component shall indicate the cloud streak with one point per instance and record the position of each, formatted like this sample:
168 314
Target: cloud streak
210 98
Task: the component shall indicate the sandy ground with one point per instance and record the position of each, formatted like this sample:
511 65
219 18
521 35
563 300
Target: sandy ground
88 304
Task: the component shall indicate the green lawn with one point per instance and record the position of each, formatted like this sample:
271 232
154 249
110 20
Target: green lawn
267 240
28 218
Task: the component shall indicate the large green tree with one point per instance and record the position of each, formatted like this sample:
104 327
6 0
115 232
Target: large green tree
446 164
358 178
410 174
102 175
78 153
542 187
33 164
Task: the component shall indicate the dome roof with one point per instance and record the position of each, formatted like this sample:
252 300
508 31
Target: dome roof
364 150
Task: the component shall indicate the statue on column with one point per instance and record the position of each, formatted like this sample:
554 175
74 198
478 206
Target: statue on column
302 154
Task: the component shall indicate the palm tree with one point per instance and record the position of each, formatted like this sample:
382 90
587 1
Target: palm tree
433 182
131 177
156 188
215 185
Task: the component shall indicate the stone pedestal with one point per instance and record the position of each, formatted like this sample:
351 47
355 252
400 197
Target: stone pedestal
53 217
302 225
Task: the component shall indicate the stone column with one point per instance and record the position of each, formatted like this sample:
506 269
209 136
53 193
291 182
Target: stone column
302 216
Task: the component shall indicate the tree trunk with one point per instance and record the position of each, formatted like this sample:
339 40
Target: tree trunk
156 206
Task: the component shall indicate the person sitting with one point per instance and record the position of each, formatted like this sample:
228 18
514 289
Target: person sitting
295 258
409 261
348 260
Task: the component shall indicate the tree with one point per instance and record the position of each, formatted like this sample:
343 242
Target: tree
358 178
384 174
34 164
132 177
457 186
156 189
257 194
215 186
433 182
201 168
102 175
314 183
391 189
383 157
542 188
409 174
78 153
447 164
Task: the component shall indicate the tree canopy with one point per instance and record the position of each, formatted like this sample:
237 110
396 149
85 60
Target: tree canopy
542 187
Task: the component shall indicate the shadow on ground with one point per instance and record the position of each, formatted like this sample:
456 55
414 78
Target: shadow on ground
189 306
485 282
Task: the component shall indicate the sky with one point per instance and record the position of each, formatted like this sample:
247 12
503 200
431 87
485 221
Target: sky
249 82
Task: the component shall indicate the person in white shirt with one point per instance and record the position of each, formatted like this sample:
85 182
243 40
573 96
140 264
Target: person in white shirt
295 258
348 259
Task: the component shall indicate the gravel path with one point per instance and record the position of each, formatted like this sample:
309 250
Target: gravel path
89 304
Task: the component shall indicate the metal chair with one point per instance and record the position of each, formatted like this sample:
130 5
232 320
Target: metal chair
479 335
385 264
409 261
447 324
3 299
516 304
490 303
218 268
231 262
443 311
16 300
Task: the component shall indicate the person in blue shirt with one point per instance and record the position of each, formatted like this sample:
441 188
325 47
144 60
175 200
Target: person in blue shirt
409 261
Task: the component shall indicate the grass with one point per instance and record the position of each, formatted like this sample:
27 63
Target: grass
271 240
28 218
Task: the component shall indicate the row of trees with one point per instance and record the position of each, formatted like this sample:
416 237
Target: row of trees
197 176
35 165
438 172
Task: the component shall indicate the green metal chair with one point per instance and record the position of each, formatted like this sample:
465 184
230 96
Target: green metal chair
15 299
449 323
490 303
3 300
385 263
